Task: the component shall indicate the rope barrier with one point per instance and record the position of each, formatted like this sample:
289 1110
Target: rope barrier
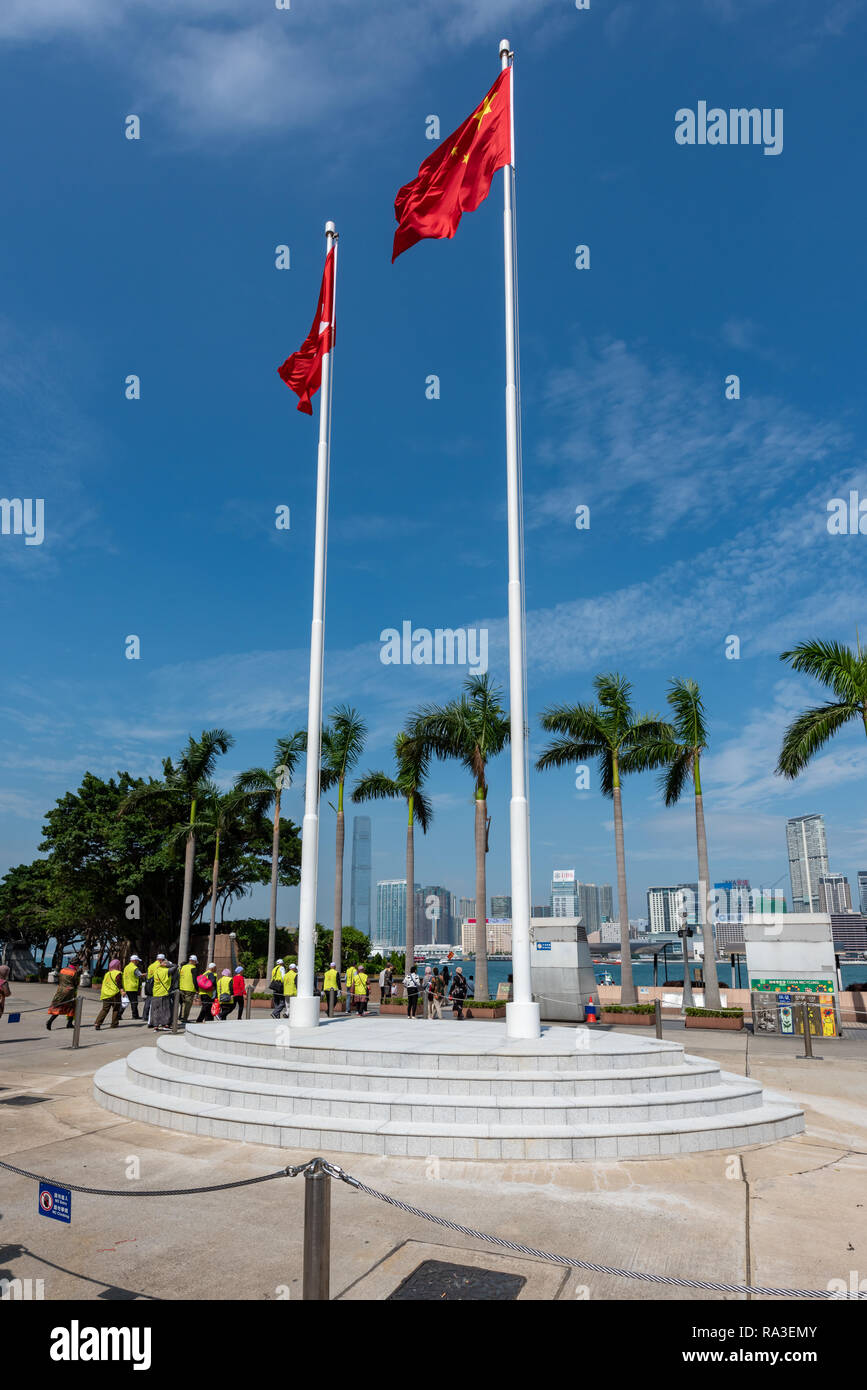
334 1171
147 1192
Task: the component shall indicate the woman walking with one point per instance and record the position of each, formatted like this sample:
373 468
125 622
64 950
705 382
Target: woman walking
437 990
64 996
110 995
362 991
425 989
239 991
458 994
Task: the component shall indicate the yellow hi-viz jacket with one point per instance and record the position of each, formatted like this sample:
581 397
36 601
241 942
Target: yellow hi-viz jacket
130 978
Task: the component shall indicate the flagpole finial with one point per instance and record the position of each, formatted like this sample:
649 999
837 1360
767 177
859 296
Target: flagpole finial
505 47
330 229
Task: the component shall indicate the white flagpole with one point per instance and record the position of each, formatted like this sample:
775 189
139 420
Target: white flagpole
522 1015
304 1008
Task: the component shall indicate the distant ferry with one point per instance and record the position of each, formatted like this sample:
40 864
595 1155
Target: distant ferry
438 953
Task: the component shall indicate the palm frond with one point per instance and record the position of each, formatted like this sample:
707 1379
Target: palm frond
810 732
685 699
836 666
422 810
376 786
673 781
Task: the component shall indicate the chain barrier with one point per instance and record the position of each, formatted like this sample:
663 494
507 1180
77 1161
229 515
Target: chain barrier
147 1192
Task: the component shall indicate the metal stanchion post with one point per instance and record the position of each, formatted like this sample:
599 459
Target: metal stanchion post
316 1277
176 1006
249 1005
808 1053
657 1017
76 1019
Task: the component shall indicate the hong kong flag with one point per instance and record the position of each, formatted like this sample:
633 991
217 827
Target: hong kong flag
456 178
302 372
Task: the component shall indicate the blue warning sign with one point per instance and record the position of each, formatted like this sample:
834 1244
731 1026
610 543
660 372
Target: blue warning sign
55 1202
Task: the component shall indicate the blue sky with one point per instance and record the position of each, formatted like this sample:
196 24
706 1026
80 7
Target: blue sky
708 516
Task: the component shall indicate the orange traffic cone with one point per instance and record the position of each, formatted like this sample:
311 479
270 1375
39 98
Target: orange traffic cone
590 1011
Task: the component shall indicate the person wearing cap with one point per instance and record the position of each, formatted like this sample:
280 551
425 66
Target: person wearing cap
276 988
290 984
149 988
187 985
331 987
206 995
132 983
239 991
161 1009
224 994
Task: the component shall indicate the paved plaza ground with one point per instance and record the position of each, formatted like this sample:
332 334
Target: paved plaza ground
791 1214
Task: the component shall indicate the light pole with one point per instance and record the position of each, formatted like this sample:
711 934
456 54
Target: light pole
685 933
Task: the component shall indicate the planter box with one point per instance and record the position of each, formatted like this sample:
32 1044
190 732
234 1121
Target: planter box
731 1025
393 1009
499 1012
642 1020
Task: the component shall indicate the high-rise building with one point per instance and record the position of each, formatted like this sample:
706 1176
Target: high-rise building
733 901
359 889
437 923
588 906
834 893
665 907
606 902
466 907
391 913
808 860
499 936
862 890
564 894
501 906
541 910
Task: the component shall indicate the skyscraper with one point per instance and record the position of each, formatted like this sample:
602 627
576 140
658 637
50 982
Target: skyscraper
359 891
808 860
436 917
588 906
391 913
834 893
501 906
665 905
564 894
606 902
862 890
467 907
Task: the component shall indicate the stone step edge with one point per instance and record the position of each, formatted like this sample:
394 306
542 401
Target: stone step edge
729 1087
113 1080
176 1046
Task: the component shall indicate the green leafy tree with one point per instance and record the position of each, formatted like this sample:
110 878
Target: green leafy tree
472 729
412 761
622 741
342 746
275 781
842 671
186 781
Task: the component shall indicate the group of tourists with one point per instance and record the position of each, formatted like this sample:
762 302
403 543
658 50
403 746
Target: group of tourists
433 989
124 986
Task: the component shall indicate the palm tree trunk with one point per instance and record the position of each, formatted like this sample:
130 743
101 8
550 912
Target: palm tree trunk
627 988
711 980
338 882
189 863
480 988
212 935
410 891
272 915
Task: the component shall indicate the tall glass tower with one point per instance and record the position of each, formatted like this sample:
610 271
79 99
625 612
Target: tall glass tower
359 891
808 860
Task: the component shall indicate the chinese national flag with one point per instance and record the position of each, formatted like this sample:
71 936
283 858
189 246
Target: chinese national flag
456 178
302 372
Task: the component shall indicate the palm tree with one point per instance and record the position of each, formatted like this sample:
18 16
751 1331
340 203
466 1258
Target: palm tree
684 758
473 729
220 815
342 746
273 782
188 779
844 671
623 741
412 761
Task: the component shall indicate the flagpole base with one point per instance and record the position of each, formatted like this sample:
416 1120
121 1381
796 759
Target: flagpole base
304 1013
523 1021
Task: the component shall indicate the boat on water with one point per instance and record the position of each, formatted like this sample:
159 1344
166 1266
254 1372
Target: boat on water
438 953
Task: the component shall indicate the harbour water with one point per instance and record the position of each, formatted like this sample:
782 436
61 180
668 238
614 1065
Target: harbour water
642 972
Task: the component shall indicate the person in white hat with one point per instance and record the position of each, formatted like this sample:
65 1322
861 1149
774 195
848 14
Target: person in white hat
149 987
275 984
187 985
207 996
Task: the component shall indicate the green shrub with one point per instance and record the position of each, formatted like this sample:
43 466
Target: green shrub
714 1013
484 1003
630 1008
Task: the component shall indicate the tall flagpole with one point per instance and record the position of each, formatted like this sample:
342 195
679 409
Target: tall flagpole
304 1008
522 1015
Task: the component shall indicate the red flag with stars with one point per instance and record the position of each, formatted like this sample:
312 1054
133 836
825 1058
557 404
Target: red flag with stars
302 372
456 178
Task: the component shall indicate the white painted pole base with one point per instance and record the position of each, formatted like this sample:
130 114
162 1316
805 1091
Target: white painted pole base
523 1020
304 1013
